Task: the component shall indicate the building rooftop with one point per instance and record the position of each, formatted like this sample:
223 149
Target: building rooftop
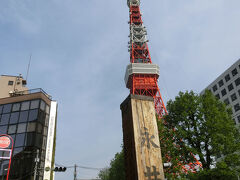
27 95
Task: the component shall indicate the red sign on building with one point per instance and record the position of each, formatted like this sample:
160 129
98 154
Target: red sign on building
5 142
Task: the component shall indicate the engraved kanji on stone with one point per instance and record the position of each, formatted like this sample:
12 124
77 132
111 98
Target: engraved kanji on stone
152 175
146 138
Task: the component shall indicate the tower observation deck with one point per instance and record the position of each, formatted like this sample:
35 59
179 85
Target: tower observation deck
141 75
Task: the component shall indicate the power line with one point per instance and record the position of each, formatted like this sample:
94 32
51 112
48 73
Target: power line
92 168
80 166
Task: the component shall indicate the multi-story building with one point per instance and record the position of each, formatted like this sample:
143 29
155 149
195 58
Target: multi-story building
29 117
227 88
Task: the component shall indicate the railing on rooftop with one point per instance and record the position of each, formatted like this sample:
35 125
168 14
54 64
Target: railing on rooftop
30 91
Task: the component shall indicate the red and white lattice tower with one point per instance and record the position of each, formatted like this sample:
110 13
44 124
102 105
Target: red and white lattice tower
141 75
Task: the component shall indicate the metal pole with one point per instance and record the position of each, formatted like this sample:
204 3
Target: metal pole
36 165
75 172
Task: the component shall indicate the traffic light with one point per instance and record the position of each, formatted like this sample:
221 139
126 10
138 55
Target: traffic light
60 169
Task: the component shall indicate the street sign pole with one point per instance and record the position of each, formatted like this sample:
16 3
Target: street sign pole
5 142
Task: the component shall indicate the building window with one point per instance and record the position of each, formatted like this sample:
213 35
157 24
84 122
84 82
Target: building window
4 119
33 115
16 107
224 92
31 127
214 88
217 96
237 81
236 107
30 139
39 128
23 116
22 128
234 72
230 87
233 97
38 140
42 105
12 129
14 118
227 78
226 101
24 82
7 108
19 140
10 83
3 129
34 104
220 83
25 106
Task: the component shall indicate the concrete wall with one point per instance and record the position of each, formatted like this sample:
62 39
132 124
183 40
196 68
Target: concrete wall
11 83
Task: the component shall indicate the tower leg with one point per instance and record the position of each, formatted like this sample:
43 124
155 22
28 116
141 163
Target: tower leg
143 160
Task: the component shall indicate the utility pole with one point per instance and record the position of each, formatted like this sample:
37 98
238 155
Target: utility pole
36 165
75 172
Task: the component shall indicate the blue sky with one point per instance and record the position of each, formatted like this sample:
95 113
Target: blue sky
79 55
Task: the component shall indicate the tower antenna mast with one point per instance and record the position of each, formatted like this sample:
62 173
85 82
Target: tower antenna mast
29 63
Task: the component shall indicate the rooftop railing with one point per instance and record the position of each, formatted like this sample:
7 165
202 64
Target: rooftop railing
30 91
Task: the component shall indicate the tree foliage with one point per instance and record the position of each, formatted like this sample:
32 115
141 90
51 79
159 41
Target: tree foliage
199 125
203 126
116 170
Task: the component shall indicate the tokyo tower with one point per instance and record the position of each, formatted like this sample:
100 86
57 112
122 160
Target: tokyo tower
141 75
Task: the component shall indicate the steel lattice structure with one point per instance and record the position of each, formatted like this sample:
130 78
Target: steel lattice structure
141 75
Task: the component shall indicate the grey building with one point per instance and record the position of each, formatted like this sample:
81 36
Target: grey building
29 117
227 88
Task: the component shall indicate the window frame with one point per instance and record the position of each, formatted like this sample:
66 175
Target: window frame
220 83
223 92
10 83
234 72
233 97
227 77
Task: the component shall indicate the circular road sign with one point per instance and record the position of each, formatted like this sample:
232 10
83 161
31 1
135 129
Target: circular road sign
4 142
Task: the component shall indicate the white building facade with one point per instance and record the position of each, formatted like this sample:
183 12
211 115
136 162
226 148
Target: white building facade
227 88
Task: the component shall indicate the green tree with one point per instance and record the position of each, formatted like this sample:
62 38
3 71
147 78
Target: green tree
104 174
116 170
202 125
